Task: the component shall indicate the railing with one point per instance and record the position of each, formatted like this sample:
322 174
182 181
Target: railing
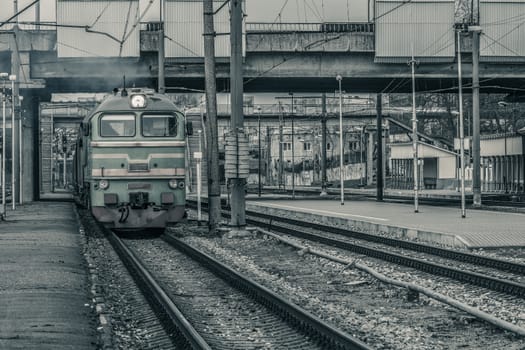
255 27
30 26
298 109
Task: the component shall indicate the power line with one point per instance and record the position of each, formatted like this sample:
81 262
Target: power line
500 44
393 9
19 13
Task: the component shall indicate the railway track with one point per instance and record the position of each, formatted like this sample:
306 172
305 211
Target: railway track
306 230
217 314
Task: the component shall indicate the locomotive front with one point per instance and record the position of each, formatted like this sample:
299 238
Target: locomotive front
133 161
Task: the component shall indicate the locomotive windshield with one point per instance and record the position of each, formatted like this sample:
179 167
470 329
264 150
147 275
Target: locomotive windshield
159 125
117 125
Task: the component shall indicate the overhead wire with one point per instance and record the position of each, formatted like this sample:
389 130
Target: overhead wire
19 13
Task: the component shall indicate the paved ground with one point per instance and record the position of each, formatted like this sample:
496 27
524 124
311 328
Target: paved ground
44 299
481 228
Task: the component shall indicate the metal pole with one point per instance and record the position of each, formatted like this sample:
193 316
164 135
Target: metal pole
20 154
281 147
3 148
505 161
361 146
412 62
379 166
64 169
259 140
238 201
476 179
293 153
162 85
199 179
461 130
341 158
13 143
323 146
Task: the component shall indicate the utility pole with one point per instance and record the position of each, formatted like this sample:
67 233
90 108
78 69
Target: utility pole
293 150
339 78
461 130
268 156
162 85
259 144
379 166
212 149
475 29
238 202
323 145
412 63
281 146
14 163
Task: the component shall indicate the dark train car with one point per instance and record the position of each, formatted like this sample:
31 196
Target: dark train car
130 161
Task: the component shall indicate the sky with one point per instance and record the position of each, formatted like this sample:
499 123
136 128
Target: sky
257 10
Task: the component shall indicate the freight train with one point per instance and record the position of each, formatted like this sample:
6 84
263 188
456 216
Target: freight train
129 165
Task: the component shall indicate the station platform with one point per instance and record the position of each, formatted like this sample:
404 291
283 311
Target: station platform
432 224
44 292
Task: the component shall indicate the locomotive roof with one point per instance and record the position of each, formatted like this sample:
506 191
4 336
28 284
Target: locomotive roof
117 102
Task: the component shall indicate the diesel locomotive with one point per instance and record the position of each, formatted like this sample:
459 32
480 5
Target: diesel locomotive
130 160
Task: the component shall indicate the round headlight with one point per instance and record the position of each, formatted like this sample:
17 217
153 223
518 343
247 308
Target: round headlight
103 184
181 184
172 184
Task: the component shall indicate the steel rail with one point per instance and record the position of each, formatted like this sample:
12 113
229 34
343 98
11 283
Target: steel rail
498 285
328 336
151 288
499 264
474 278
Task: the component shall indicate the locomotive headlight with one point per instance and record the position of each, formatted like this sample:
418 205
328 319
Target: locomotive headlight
181 184
172 184
103 184
138 101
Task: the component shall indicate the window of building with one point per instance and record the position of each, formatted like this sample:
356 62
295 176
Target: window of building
328 146
307 146
353 145
287 146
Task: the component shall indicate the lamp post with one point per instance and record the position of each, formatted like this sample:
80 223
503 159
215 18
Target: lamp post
339 78
12 78
3 76
258 110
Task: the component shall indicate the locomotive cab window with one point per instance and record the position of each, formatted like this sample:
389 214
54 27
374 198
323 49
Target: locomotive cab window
159 125
117 125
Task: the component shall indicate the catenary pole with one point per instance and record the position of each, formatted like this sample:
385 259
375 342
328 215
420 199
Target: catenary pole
461 131
379 166
238 202
476 174
212 145
339 78
323 146
412 63
162 85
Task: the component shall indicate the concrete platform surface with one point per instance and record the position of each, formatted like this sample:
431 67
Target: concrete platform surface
434 224
44 294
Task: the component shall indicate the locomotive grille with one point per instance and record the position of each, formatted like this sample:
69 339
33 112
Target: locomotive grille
139 186
138 167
